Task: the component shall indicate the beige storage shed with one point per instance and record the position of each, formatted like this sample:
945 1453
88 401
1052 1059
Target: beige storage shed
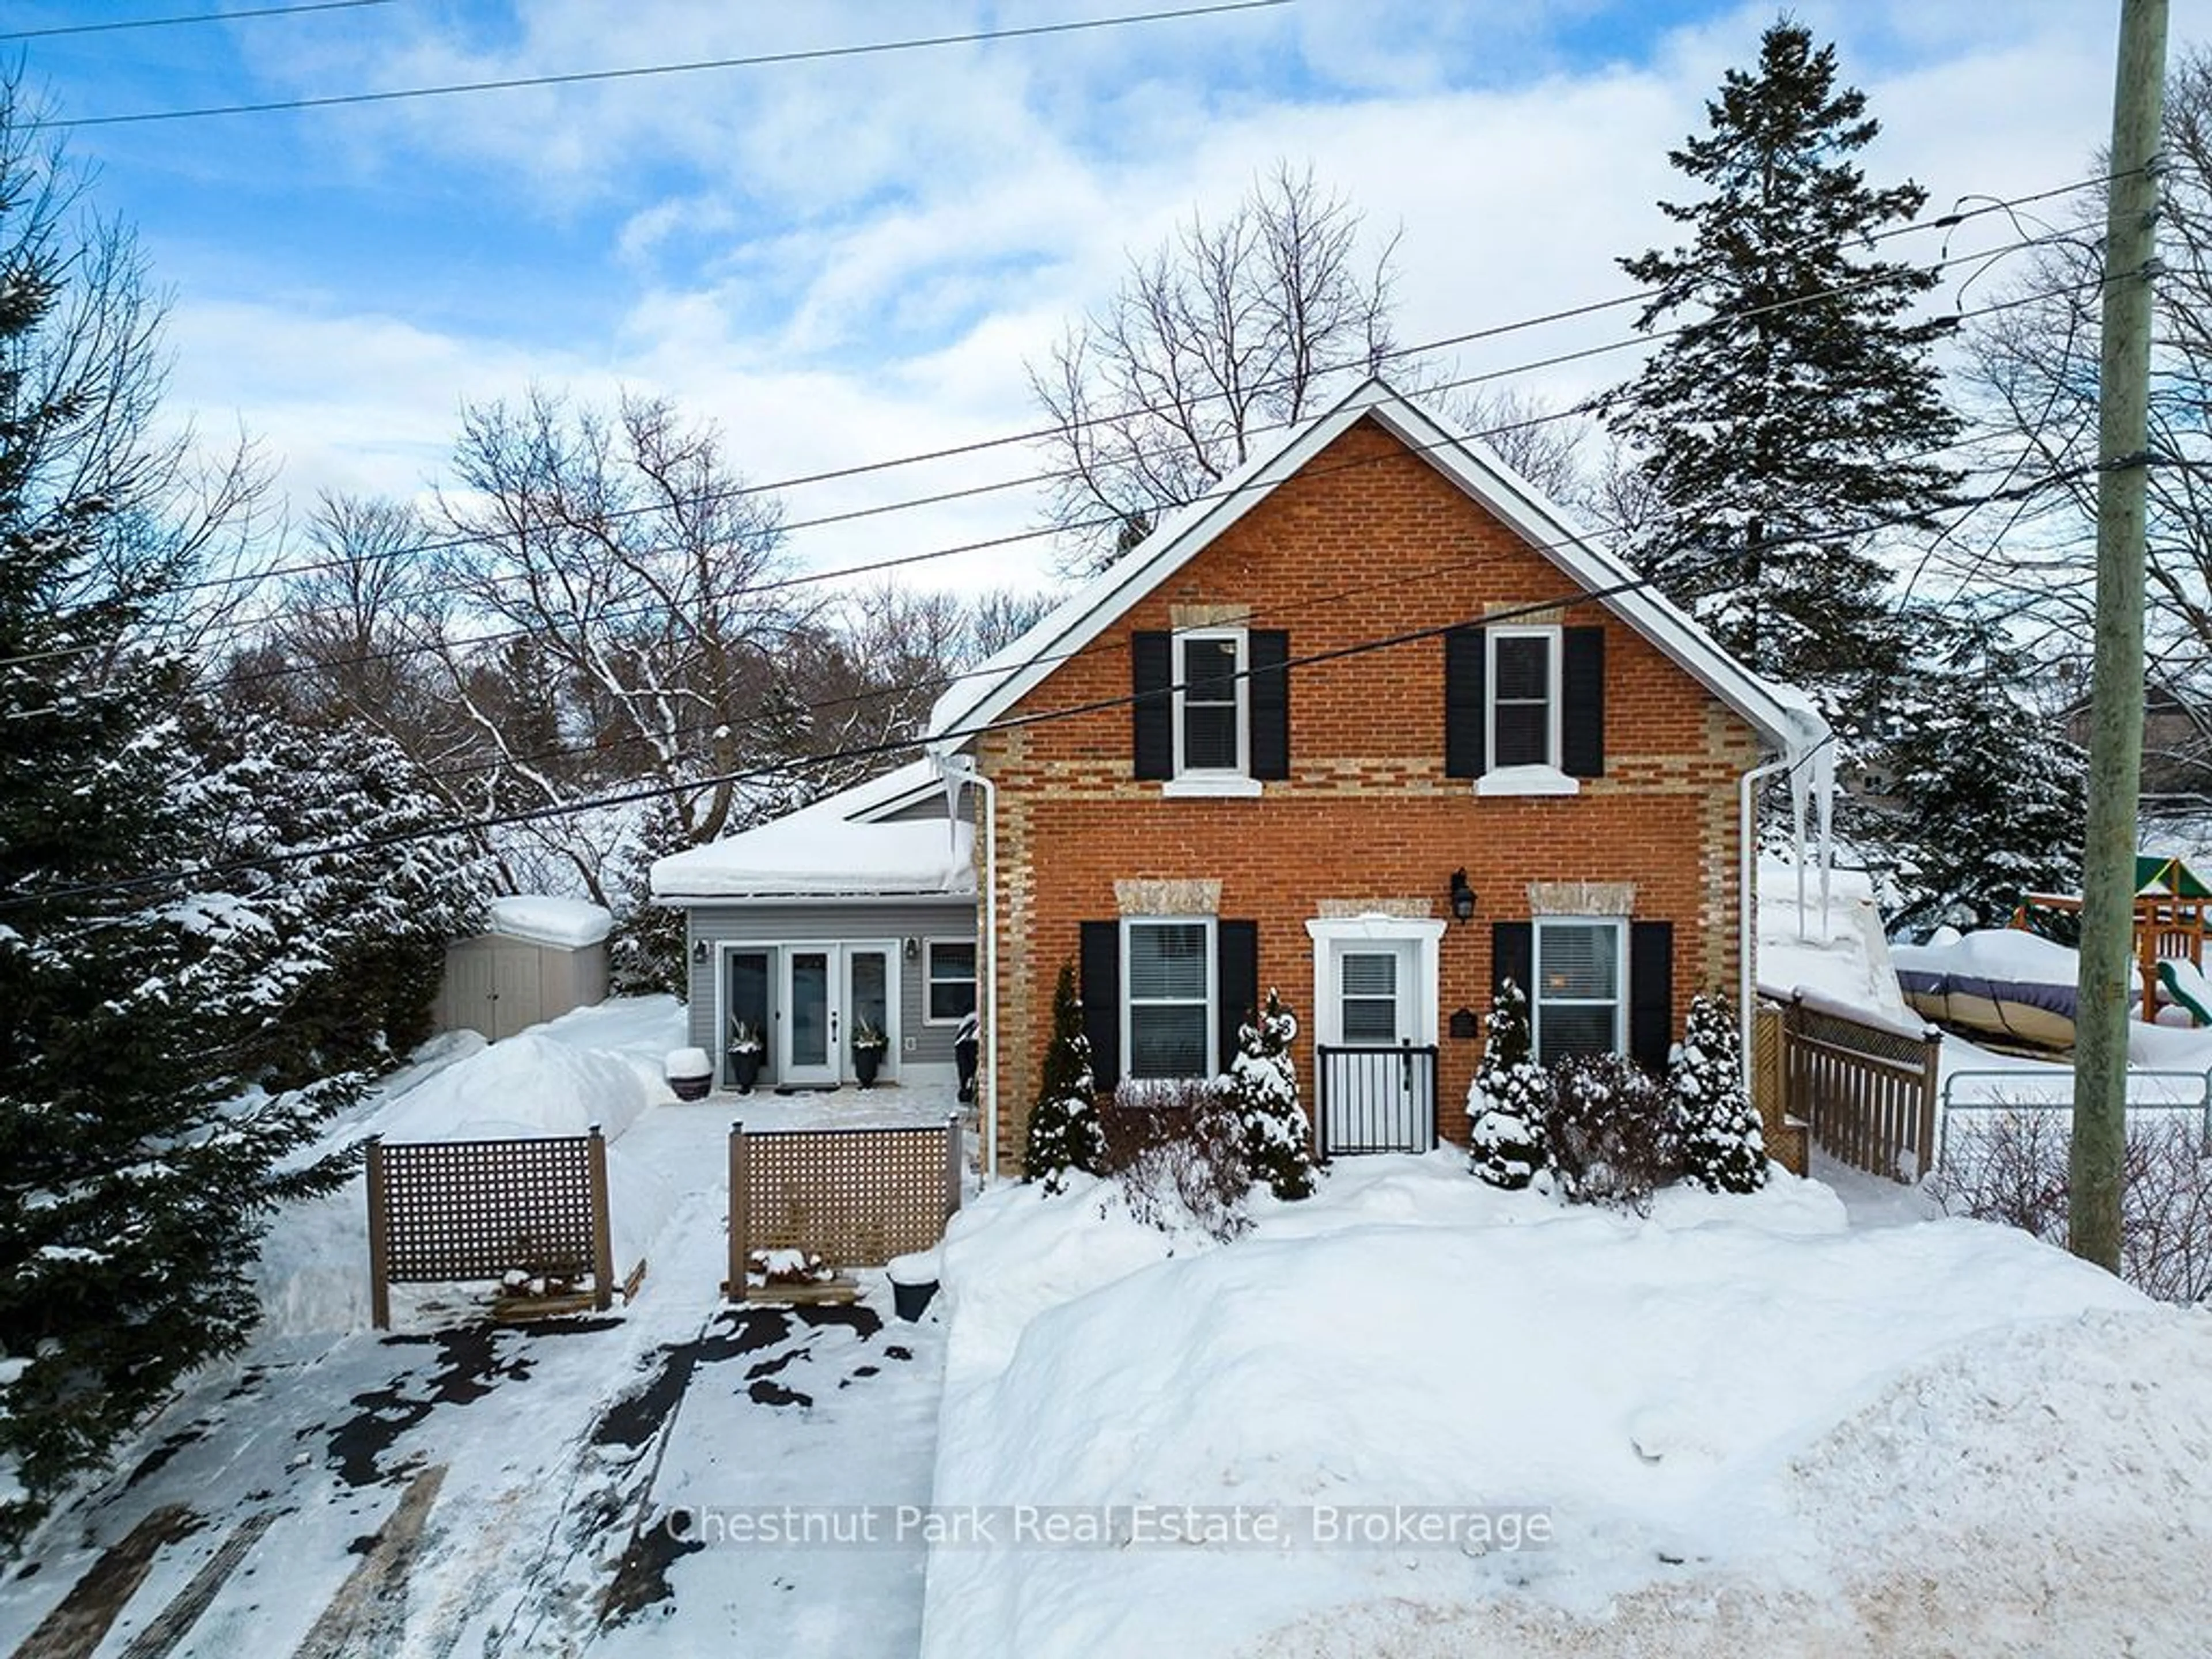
539 958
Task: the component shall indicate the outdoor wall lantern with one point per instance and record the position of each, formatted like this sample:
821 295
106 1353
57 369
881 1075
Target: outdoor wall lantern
913 948
699 950
1463 897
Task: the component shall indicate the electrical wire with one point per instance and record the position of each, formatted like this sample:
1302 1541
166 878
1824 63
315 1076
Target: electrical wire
192 17
898 562
579 77
798 766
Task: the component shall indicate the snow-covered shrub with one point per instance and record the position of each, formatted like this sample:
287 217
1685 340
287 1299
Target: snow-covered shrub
1612 1132
1261 1089
1064 1131
2012 1167
1178 1152
1724 1145
1509 1099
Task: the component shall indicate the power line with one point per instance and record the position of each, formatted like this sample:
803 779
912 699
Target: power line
877 751
192 17
579 77
1035 434
1104 521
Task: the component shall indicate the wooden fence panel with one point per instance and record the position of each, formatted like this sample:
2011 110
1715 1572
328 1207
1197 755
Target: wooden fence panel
444 1211
856 1197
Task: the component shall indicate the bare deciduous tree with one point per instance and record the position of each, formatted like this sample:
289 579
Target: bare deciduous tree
1225 331
634 574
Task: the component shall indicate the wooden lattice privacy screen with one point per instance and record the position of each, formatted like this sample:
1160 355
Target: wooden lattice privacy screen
442 1210
857 1197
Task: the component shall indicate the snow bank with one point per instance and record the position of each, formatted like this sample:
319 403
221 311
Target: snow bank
600 1064
1412 1337
544 920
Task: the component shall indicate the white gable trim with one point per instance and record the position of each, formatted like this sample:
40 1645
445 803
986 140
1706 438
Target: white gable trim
1786 720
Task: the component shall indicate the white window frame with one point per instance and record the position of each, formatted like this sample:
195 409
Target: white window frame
1619 925
1332 934
929 981
1493 638
1242 687
1542 777
1212 959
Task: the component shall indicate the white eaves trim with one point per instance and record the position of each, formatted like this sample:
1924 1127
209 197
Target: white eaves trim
1785 718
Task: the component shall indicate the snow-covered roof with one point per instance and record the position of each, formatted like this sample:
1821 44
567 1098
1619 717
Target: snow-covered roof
1788 720
837 847
546 920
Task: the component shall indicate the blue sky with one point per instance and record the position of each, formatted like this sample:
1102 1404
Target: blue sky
851 259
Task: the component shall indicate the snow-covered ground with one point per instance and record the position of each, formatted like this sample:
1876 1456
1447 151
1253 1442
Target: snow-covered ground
1812 1421
1746 1424
458 1486
1411 1416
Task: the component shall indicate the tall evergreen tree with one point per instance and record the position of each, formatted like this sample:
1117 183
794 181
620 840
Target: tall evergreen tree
1980 800
141 1145
1794 407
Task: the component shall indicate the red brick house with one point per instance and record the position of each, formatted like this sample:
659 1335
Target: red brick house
1373 725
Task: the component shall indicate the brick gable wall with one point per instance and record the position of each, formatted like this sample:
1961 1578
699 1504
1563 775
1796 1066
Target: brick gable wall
1367 541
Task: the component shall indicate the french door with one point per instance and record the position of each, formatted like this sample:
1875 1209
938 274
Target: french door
833 995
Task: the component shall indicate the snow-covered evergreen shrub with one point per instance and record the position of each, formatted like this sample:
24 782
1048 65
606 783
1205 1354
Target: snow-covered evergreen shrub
1064 1131
1178 1151
1724 1145
1612 1132
1509 1099
1261 1089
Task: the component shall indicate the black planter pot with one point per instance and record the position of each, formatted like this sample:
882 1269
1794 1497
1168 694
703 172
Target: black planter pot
910 1302
745 1068
867 1063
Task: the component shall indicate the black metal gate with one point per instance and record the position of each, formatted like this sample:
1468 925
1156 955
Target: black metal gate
1376 1099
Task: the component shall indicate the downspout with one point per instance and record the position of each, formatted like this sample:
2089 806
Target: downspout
1746 908
964 766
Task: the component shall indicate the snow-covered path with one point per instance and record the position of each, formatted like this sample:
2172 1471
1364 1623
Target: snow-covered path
458 1486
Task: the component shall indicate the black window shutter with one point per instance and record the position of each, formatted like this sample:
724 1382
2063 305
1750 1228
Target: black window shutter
1582 704
1151 674
1513 956
1465 670
1101 999
1650 994
1268 650
1237 983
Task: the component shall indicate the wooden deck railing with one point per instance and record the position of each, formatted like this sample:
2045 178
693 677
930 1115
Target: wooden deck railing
1867 1088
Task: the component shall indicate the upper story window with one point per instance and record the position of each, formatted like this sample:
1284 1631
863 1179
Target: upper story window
1524 696
1524 707
1210 708
1211 732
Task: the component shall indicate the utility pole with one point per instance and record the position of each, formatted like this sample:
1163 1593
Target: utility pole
2116 687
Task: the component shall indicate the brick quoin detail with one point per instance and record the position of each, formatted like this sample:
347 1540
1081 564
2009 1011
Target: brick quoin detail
1366 542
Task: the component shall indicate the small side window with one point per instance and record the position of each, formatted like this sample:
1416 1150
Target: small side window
949 974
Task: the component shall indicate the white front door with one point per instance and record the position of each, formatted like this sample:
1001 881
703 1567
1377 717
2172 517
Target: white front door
1373 994
1375 1094
810 1037
832 994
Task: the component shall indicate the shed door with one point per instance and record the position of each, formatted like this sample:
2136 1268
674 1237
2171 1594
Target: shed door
517 997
